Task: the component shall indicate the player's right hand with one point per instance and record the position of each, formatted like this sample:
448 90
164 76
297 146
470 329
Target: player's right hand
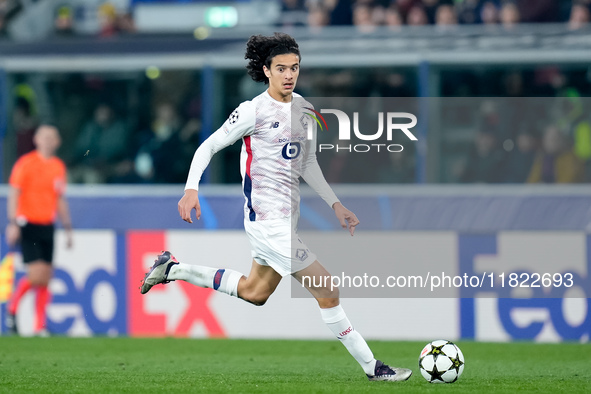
186 204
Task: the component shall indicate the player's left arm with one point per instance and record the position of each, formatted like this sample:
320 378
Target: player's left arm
63 210
313 176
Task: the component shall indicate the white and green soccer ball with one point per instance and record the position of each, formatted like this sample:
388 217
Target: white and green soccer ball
441 362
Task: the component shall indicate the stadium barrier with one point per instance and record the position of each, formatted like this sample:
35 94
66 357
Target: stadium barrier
478 231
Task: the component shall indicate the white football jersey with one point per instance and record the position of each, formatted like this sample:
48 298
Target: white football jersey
275 152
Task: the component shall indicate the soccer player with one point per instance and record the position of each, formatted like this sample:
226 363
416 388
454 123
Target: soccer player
275 153
36 195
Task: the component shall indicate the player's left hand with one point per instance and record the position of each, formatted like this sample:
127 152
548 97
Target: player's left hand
69 239
13 234
346 217
189 202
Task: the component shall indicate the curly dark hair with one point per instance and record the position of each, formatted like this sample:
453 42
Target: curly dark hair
261 50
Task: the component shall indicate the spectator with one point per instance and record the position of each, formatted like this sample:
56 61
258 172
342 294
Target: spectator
318 17
8 10
519 161
2 26
24 124
556 163
363 17
404 6
446 16
513 84
579 16
153 161
101 148
538 11
489 13
64 22
393 18
430 7
509 15
293 13
4 8
572 119
467 11
484 160
392 84
416 16
341 13
107 15
400 169
378 14
125 23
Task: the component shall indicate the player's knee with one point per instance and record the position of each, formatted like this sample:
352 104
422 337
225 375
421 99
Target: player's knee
256 298
38 280
330 293
335 293
326 303
40 277
259 299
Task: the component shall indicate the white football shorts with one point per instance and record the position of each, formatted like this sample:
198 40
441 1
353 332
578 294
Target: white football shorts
274 243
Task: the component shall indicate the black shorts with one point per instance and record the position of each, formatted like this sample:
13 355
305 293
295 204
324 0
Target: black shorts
37 242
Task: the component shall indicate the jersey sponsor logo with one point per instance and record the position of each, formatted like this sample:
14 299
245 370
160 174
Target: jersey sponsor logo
291 150
173 309
274 125
292 139
544 315
233 117
75 309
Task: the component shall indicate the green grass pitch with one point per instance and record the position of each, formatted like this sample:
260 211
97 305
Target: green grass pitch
118 365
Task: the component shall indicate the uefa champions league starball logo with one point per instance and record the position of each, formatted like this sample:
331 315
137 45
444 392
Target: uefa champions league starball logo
233 117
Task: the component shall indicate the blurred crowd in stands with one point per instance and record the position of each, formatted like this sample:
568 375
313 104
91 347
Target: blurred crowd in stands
116 16
132 129
111 135
121 132
368 14
530 141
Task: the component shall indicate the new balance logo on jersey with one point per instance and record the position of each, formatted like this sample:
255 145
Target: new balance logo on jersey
274 125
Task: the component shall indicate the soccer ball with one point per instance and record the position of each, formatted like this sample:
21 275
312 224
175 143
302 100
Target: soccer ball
441 362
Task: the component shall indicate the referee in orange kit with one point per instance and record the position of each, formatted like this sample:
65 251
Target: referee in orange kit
36 195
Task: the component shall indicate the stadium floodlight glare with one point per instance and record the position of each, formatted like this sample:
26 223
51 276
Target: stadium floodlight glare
226 16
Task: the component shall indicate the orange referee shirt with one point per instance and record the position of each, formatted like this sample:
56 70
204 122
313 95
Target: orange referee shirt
41 182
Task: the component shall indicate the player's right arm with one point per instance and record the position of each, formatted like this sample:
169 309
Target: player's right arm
240 124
